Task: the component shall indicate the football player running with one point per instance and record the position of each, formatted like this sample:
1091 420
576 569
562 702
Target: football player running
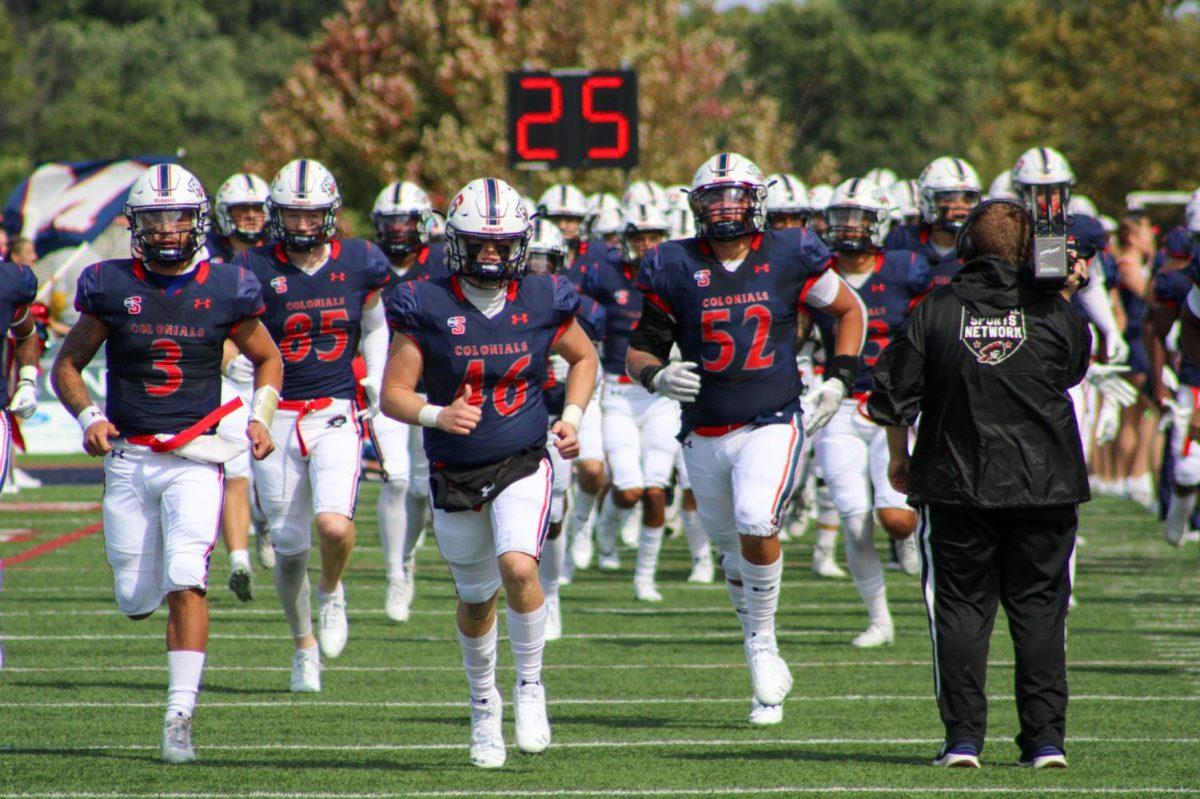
947 190
566 207
852 451
481 341
322 299
730 299
18 288
401 217
241 211
163 318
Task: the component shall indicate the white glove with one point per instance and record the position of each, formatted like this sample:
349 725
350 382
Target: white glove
24 400
559 367
825 400
1170 380
1106 380
678 381
1176 415
370 385
1116 349
1108 421
240 370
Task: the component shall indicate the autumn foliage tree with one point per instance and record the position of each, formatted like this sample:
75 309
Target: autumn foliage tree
416 89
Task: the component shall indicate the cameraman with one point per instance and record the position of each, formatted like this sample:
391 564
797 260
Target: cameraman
996 474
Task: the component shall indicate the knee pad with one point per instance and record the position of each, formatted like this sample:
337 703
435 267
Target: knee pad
134 599
478 582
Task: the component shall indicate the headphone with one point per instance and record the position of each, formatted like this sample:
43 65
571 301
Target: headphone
964 247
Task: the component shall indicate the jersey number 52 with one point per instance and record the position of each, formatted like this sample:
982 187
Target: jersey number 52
714 324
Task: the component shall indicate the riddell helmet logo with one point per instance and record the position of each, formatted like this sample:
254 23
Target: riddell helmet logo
701 277
279 284
458 325
133 305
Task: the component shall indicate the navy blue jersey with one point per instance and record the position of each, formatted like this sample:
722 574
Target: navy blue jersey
164 349
18 287
219 249
898 281
590 316
1177 243
740 326
942 266
503 359
613 284
315 319
430 264
591 254
904 237
1171 289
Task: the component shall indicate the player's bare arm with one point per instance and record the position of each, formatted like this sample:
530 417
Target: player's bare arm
577 350
253 341
66 377
401 401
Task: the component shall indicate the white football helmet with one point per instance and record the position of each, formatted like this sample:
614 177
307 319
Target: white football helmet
786 195
858 216
562 199
1002 187
401 217
644 192
905 197
882 177
487 210
675 196
948 179
640 218
606 216
818 197
164 196
1043 170
1082 204
547 248
241 188
722 184
303 184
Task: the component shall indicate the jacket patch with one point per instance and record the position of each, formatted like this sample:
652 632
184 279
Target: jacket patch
992 339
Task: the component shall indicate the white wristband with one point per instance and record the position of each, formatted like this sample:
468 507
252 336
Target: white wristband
572 415
428 415
263 405
29 372
89 416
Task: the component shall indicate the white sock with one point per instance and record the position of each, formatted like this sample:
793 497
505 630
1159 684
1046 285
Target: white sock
239 558
185 669
1179 511
527 637
697 538
313 652
479 661
865 567
608 525
584 513
295 593
761 589
827 536
417 514
649 543
550 566
338 593
392 513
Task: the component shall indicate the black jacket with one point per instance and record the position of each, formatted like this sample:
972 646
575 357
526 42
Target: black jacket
987 361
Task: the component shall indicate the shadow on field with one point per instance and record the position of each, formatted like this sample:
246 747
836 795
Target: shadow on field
813 755
156 687
214 760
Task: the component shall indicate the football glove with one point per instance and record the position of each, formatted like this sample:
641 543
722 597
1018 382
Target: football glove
824 400
24 400
370 387
1108 421
678 381
1105 378
1116 349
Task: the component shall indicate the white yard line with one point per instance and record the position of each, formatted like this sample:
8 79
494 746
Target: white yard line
742 790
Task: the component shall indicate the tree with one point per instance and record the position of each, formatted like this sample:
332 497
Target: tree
416 89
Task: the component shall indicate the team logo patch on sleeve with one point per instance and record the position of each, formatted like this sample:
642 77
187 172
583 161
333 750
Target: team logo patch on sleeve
992 339
133 304
621 296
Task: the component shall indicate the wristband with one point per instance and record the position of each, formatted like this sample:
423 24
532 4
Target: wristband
844 368
428 415
28 373
647 375
572 415
89 416
263 405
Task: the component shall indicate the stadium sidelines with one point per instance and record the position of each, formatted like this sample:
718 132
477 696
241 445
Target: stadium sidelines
622 792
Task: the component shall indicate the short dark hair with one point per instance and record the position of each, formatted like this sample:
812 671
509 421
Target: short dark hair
1003 230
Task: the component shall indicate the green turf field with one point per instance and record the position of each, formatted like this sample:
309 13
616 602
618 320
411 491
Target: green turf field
645 701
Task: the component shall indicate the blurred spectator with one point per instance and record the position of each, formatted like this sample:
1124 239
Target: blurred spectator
3 244
23 252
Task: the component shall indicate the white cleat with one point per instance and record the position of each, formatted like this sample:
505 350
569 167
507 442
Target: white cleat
487 736
533 728
306 673
765 715
553 619
568 571
332 627
396 599
769 674
702 570
629 533
23 479
875 635
906 550
609 562
177 739
582 551
264 549
644 591
823 565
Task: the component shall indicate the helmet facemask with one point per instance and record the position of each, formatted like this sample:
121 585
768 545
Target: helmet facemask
544 262
853 229
952 208
303 241
469 255
400 235
636 242
168 235
236 230
725 212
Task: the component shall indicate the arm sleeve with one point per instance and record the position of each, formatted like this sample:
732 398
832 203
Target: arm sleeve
1094 301
899 374
374 343
89 292
592 318
651 282
249 301
566 298
920 277
656 331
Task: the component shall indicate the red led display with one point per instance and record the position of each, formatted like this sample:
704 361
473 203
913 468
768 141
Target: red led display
572 118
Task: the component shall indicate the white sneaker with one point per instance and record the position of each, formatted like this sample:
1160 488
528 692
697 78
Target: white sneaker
582 551
644 591
23 479
487 735
609 562
765 715
769 674
177 739
395 601
264 549
907 552
306 673
332 627
702 570
631 530
553 619
823 565
875 635
533 728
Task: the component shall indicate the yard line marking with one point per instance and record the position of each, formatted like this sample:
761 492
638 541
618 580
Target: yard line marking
713 636
447 611
652 792
50 546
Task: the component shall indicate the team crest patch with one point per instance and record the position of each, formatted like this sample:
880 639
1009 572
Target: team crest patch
133 304
621 296
458 325
992 339
279 284
701 277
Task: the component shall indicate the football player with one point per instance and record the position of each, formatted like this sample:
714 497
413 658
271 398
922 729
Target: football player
481 341
566 206
18 288
946 191
322 300
241 212
852 451
729 298
818 198
401 216
787 202
639 428
163 317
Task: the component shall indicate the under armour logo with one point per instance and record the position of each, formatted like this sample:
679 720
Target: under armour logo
203 303
337 277
520 318
760 268
878 288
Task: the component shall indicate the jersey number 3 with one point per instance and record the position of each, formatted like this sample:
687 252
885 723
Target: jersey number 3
756 358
